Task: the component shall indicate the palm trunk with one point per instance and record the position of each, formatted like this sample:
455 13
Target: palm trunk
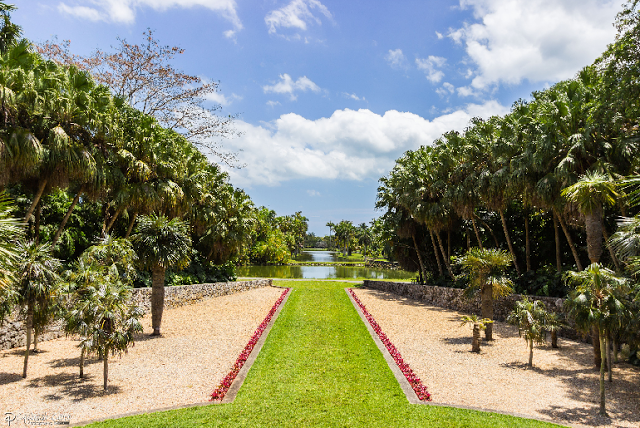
475 341
486 302
607 344
131 223
67 215
593 224
435 252
415 244
614 343
527 242
493 235
29 328
449 244
554 339
506 234
475 228
157 298
113 219
82 363
530 352
36 233
444 255
612 253
35 340
210 254
557 237
595 339
105 370
570 241
603 410
41 185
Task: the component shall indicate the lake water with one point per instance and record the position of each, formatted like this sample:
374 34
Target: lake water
321 272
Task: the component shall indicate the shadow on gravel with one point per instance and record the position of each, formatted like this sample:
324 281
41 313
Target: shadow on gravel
71 386
71 362
7 378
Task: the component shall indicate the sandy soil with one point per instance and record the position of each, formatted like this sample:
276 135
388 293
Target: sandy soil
562 386
198 347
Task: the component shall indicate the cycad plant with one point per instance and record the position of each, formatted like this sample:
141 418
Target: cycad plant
161 244
529 316
37 284
484 267
478 324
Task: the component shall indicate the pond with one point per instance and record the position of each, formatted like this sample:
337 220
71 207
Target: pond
321 272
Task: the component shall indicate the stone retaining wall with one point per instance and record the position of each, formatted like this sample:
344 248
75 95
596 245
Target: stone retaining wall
12 334
453 298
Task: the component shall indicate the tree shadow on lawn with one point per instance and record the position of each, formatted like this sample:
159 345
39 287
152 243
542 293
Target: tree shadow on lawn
69 385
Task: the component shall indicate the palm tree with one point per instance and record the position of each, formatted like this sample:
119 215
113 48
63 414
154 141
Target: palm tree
161 244
37 283
596 303
331 227
530 318
478 324
103 314
591 194
482 267
11 231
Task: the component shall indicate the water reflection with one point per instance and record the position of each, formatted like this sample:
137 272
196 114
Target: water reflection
322 272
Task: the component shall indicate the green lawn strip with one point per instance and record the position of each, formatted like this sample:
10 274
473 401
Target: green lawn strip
320 367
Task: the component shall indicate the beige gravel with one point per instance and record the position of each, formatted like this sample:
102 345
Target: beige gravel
562 386
198 347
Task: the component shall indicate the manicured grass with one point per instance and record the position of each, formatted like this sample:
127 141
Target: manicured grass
319 367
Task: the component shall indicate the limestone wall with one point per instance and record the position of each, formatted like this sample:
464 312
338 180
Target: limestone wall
12 333
453 298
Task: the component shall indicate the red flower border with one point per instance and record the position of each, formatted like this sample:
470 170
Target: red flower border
222 389
414 381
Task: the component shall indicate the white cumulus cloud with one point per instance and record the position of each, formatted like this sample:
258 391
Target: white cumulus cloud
297 14
430 66
349 145
396 58
124 11
536 40
287 85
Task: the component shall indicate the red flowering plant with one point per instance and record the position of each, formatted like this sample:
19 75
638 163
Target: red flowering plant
222 389
414 381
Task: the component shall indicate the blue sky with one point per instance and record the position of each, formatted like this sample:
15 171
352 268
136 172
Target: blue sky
330 92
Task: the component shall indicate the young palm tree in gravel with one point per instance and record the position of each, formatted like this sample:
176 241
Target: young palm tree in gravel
478 324
530 318
484 267
104 316
597 303
37 283
161 244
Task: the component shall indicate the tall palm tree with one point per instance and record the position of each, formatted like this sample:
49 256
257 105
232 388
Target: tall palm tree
331 225
37 283
161 244
591 194
596 303
484 268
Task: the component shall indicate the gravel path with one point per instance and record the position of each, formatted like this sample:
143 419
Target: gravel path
562 386
199 345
